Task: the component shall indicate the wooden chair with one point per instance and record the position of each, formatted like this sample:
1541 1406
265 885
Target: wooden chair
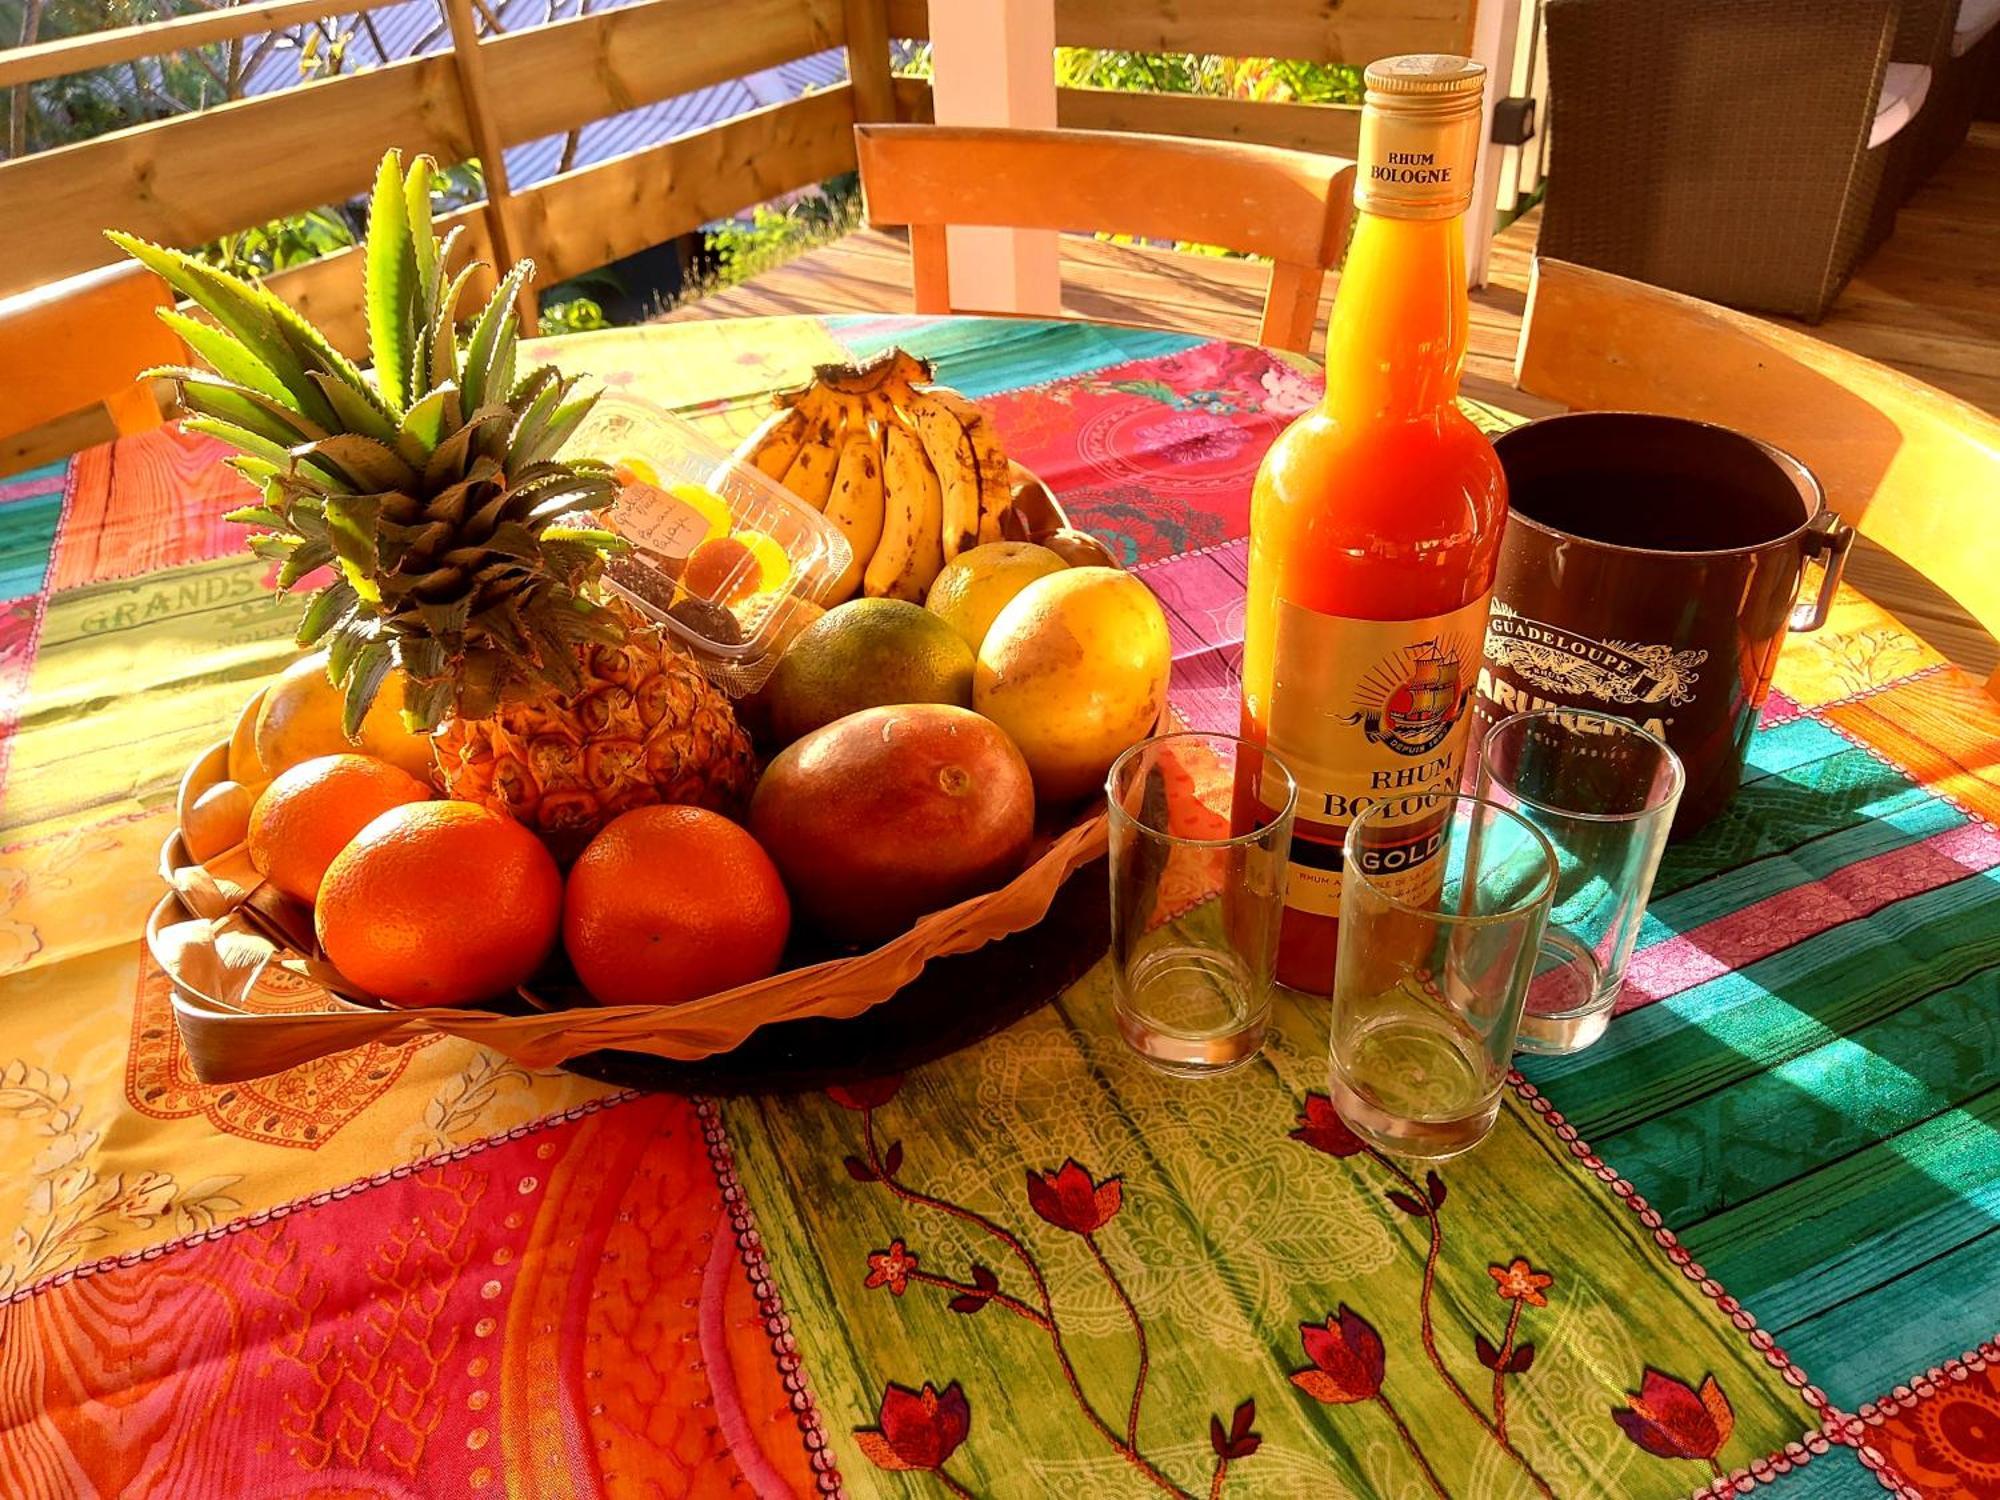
1915 471
1291 206
79 344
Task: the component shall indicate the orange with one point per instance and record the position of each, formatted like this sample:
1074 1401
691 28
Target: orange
306 816
670 904
440 903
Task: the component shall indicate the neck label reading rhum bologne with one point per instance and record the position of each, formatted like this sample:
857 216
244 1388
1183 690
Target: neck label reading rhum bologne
1363 712
1408 168
1419 136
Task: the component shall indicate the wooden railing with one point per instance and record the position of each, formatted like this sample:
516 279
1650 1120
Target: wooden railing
193 178
1353 32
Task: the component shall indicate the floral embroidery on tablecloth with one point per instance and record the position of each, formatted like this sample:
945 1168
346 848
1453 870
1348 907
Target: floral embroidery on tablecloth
70 1205
920 1428
1266 1238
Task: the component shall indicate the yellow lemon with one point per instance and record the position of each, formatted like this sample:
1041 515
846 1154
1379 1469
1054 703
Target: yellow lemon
244 766
300 720
977 584
1075 670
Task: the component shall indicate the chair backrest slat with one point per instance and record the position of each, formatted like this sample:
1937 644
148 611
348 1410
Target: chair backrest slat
1911 468
81 342
1291 206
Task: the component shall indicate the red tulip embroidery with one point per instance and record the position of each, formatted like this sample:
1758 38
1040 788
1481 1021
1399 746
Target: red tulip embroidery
917 1429
1320 1127
1671 1419
1346 1357
891 1268
873 1093
1068 1199
1347 1367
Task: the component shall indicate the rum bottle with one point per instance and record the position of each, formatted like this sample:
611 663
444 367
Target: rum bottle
1375 522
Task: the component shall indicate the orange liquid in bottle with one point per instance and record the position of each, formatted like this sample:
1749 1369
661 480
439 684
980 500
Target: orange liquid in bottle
1374 534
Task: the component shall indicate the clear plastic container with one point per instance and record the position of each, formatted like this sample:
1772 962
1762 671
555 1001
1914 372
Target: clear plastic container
722 556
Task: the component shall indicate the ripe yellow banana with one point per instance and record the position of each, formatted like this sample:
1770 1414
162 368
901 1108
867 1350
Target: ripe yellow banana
855 506
996 479
911 552
950 449
894 366
810 473
772 446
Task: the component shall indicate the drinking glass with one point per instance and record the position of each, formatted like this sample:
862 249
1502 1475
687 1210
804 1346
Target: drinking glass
1201 827
1603 791
1442 902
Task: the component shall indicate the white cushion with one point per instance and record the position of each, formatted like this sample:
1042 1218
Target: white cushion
1904 86
1975 19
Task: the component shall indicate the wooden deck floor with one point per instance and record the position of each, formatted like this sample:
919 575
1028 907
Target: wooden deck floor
869 271
1927 303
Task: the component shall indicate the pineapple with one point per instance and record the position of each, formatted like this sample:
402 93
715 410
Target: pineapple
464 556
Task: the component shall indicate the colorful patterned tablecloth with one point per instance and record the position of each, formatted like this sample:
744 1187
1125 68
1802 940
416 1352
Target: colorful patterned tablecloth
1749 1238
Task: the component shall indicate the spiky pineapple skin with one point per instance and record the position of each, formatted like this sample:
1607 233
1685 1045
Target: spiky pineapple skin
646 726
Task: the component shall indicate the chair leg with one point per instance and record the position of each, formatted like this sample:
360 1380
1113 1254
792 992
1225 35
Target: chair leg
132 408
1291 307
930 268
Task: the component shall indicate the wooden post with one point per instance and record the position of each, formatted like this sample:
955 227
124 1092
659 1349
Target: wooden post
868 59
1495 28
471 68
993 63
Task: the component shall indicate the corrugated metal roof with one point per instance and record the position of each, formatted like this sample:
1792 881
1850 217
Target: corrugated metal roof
416 27
648 125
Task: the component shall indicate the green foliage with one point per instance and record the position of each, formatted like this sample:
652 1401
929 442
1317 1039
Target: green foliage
79 106
573 315
1277 80
772 235
1261 79
298 238
281 243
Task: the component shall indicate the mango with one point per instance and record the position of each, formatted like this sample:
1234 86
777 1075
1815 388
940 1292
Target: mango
892 812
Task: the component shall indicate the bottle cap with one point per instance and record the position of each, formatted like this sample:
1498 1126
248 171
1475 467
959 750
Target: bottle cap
1431 74
1419 136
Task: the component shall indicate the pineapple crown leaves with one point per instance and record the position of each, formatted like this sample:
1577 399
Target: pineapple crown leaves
430 485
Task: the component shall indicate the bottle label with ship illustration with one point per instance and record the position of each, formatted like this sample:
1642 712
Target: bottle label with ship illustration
1367 711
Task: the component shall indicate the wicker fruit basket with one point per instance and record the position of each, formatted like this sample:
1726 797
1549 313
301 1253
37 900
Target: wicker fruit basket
218 927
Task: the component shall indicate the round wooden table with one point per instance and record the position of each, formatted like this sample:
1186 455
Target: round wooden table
1033 1267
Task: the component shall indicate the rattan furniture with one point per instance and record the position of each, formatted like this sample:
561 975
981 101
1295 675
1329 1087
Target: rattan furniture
1729 149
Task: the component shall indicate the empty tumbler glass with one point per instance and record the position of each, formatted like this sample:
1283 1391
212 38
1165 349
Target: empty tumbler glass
1201 827
1442 902
1603 791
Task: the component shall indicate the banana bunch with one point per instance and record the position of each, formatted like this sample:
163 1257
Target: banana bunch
912 473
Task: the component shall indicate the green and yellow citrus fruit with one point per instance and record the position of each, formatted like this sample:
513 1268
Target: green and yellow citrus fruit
976 585
864 654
